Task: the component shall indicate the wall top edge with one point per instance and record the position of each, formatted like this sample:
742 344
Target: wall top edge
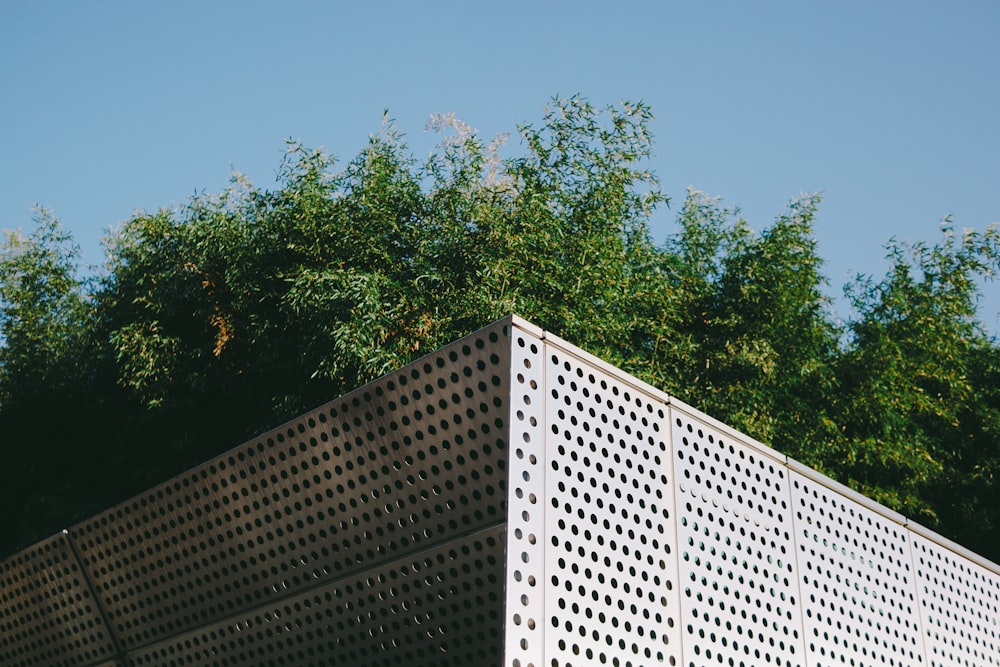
846 491
712 422
648 389
586 357
42 543
500 326
943 541
525 325
892 515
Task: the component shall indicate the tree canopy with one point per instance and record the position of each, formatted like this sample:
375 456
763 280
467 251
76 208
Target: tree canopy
218 319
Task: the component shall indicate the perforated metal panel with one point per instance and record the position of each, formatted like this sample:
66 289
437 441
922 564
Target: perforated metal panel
48 615
740 596
440 607
409 461
610 561
859 597
507 499
959 606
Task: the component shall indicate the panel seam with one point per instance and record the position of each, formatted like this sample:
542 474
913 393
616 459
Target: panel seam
119 647
320 584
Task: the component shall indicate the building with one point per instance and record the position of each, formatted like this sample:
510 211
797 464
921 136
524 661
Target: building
508 499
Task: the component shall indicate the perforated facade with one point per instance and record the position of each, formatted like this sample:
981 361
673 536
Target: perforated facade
506 500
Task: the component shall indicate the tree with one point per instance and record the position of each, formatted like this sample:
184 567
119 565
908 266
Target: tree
46 375
757 339
42 308
917 408
218 319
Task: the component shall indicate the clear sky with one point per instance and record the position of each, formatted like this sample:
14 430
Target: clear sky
890 108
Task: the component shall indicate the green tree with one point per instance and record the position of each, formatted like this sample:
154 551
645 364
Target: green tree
561 234
756 337
46 375
967 498
42 309
917 408
223 317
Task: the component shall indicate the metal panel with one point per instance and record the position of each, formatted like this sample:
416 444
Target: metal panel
959 607
740 600
610 556
524 622
48 615
437 608
859 597
390 527
411 460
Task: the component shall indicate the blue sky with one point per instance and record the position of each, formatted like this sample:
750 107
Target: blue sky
891 109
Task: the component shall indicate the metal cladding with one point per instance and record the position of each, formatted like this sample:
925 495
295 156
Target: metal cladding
508 499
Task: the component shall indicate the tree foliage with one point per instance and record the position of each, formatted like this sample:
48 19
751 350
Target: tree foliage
918 409
239 310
